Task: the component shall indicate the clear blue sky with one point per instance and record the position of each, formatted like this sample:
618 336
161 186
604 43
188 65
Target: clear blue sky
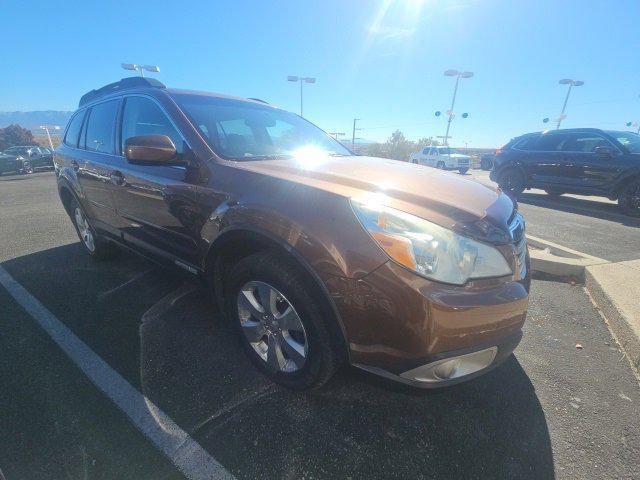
381 61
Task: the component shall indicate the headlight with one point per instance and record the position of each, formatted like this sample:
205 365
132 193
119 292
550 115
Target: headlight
429 249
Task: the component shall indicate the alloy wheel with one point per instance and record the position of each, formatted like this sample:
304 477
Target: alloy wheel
634 198
84 230
272 327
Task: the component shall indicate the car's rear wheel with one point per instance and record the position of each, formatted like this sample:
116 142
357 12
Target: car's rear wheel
462 171
279 321
629 198
512 181
94 245
440 165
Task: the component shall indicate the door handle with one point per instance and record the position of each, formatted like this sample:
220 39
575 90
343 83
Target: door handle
75 166
117 178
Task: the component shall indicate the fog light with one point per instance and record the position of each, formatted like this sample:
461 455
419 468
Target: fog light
446 369
453 367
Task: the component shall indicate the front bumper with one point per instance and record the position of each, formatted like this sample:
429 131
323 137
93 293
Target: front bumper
396 321
500 350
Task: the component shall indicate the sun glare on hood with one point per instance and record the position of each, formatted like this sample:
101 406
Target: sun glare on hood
310 156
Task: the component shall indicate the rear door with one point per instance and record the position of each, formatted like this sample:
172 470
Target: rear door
156 204
97 160
546 158
47 157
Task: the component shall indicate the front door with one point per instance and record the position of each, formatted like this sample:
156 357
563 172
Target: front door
156 204
584 168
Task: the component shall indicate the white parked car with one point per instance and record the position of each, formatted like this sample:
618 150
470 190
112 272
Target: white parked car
442 157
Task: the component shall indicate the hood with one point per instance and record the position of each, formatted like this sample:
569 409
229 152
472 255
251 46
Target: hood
458 155
447 199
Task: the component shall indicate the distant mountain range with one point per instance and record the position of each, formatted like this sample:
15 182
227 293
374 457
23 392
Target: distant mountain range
33 120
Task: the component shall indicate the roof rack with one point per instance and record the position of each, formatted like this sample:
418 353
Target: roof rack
125 83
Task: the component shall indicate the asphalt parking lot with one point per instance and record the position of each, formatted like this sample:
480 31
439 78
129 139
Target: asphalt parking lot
552 411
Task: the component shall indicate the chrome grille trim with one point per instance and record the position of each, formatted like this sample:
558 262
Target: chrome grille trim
517 232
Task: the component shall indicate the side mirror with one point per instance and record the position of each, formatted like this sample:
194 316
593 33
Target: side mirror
604 151
151 150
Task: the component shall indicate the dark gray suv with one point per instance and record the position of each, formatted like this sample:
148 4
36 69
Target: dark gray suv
585 161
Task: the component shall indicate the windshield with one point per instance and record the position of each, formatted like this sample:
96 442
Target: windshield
444 150
628 139
240 130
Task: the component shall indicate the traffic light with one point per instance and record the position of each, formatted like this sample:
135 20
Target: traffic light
465 115
438 113
629 124
545 120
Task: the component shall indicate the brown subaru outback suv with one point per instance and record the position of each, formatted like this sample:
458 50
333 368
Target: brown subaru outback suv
318 257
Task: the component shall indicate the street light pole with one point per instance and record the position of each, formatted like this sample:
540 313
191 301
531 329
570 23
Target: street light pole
353 135
458 75
296 78
571 83
46 129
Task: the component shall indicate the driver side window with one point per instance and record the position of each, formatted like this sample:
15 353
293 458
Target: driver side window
142 116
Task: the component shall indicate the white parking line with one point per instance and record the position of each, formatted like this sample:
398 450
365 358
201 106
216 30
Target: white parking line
184 452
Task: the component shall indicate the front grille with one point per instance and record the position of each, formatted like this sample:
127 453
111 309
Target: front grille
517 231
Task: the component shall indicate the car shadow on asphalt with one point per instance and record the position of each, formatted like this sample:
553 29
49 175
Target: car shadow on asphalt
580 206
167 339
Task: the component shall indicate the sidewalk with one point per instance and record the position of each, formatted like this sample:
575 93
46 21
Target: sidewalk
615 288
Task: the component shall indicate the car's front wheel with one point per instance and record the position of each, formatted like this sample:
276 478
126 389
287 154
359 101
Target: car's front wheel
440 165
464 170
280 322
629 198
512 181
27 168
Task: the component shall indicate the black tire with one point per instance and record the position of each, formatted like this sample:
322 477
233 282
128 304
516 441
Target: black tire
629 198
440 165
462 171
98 248
553 192
512 181
322 359
27 168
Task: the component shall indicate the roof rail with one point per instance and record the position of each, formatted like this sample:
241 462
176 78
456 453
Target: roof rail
258 100
125 83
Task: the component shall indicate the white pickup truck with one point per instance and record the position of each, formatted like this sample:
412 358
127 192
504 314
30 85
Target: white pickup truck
442 157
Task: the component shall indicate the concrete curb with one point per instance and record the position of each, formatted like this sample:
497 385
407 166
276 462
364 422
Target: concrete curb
615 289
558 261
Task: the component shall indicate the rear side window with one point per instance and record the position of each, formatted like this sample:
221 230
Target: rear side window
143 117
551 142
527 143
73 132
99 131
